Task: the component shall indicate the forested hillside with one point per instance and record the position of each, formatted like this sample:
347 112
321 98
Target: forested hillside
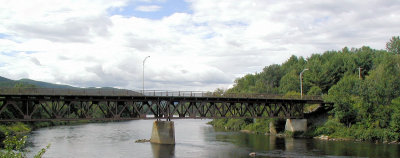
27 83
366 105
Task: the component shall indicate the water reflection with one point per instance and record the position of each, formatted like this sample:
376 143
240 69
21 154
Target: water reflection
163 150
272 146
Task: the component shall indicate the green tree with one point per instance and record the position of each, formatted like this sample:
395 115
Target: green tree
344 95
383 83
315 90
395 118
269 79
290 82
393 45
218 92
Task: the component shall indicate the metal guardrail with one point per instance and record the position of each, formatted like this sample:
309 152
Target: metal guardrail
121 92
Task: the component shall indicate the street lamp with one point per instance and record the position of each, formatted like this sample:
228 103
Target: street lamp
301 82
143 72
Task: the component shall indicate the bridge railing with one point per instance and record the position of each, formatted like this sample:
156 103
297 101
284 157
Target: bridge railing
122 92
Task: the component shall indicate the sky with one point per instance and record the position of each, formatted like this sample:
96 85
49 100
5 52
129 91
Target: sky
192 44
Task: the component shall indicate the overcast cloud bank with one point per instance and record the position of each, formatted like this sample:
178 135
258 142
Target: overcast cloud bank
204 47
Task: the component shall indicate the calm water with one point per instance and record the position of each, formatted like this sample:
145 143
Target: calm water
194 138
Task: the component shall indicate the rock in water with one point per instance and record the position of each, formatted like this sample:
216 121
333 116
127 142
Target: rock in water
252 154
142 141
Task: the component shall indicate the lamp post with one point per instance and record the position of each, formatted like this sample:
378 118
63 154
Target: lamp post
143 72
301 82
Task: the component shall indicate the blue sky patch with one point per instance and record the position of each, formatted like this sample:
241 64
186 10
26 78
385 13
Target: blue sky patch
14 53
209 36
30 52
10 53
167 8
321 19
2 35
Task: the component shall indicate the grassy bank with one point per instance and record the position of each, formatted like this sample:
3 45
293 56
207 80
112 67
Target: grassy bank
20 129
14 129
259 126
334 129
331 128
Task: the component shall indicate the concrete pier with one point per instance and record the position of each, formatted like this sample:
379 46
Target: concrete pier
163 132
272 128
296 125
163 150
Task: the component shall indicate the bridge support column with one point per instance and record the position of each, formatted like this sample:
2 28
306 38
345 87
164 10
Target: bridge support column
163 132
272 128
296 125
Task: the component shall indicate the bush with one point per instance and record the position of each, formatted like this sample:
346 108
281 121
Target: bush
13 129
13 147
330 127
235 124
260 126
219 123
294 134
360 131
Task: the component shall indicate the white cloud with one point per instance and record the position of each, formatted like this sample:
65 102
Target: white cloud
82 44
148 8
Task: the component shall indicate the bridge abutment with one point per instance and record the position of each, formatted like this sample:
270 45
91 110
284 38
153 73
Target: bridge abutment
163 132
296 125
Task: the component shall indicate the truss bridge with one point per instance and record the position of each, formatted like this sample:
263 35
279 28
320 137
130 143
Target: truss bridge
42 104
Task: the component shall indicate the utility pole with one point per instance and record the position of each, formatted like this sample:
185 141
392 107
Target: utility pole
143 72
359 72
301 82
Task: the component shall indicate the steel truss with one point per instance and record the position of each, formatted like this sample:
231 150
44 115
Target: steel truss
69 108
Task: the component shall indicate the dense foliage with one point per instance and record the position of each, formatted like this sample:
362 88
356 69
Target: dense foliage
14 147
363 83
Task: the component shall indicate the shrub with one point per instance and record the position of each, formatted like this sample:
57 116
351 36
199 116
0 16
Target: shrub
13 147
235 124
330 127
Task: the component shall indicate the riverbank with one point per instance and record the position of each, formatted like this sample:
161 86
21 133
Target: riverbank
14 129
259 126
330 130
21 129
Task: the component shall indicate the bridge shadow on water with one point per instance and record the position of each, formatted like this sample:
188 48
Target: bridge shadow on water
163 150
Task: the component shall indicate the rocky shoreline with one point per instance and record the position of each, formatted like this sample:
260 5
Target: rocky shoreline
321 137
327 138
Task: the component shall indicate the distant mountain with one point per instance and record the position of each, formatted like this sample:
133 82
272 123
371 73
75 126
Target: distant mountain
2 79
28 83
101 88
44 84
8 83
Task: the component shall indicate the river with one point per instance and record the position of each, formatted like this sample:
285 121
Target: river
194 139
